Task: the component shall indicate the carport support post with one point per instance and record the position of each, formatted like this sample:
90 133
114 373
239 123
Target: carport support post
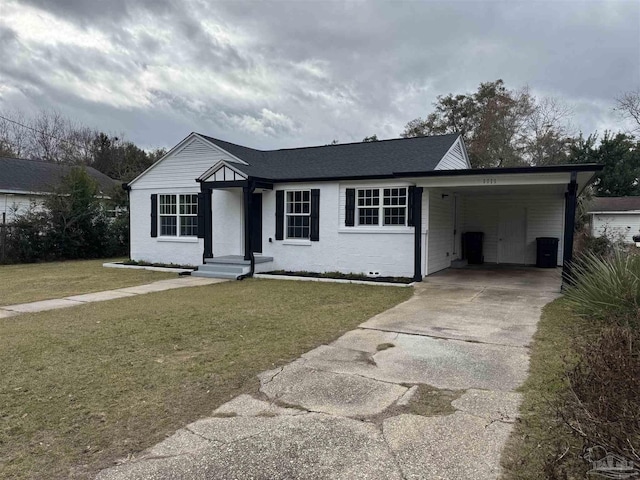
569 228
417 238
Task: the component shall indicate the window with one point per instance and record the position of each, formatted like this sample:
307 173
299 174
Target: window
391 211
298 213
178 215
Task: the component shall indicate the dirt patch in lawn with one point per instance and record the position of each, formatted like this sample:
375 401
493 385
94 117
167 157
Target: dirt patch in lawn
88 385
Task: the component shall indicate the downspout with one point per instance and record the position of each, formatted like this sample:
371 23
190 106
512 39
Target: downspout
417 238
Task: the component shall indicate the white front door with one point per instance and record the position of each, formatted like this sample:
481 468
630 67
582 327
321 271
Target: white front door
512 231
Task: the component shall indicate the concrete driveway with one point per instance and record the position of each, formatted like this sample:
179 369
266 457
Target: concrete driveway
359 408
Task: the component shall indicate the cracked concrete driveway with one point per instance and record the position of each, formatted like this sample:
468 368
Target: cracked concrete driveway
345 410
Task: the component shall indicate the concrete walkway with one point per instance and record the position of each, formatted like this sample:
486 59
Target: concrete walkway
74 300
348 410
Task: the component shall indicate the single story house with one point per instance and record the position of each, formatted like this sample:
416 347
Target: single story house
26 182
617 218
388 208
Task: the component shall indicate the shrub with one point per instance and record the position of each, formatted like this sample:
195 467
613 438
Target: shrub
71 224
25 240
607 288
602 406
599 246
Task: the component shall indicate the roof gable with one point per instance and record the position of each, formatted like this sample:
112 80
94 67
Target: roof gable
193 145
456 157
222 172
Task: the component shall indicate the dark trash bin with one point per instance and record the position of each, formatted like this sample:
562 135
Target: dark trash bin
472 247
547 252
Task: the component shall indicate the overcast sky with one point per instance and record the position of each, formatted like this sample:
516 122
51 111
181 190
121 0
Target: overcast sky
285 74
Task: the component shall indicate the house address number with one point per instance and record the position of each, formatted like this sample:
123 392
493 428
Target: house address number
489 181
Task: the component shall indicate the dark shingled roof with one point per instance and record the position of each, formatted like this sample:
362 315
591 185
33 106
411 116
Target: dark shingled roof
37 176
615 204
349 160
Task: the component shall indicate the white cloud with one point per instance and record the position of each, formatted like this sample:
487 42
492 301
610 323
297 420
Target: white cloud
287 75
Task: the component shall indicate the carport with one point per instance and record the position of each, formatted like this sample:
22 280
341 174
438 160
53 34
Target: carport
511 207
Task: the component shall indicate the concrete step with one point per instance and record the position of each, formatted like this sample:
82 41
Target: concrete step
224 268
236 260
206 274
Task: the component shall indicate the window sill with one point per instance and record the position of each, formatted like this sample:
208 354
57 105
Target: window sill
297 242
178 239
405 230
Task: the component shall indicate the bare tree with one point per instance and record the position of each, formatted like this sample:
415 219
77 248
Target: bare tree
48 141
628 105
14 135
549 133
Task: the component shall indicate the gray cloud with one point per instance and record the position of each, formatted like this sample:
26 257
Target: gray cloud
275 74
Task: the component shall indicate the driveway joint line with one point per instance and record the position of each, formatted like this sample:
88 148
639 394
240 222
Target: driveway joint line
525 347
352 374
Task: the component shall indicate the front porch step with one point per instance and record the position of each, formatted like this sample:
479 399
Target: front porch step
205 274
229 266
224 268
237 260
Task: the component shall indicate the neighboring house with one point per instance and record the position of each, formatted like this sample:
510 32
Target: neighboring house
390 208
26 182
617 218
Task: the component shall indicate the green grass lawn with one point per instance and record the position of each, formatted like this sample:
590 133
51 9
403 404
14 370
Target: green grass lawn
541 446
86 385
43 281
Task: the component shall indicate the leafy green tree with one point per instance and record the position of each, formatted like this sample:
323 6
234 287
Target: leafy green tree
119 159
372 138
620 155
77 223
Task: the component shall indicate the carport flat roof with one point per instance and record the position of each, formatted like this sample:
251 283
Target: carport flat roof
581 167
495 178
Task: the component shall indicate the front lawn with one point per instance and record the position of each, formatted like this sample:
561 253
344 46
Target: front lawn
541 446
84 386
43 281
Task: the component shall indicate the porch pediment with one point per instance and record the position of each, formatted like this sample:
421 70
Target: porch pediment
222 172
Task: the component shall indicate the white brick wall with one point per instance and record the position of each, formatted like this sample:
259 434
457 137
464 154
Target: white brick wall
185 251
385 250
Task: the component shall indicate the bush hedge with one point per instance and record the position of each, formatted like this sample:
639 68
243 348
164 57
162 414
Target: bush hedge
70 224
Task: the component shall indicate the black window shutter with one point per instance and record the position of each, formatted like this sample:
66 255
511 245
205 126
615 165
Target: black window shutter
154 215
410 198
315 214
350 208
201 208
279 214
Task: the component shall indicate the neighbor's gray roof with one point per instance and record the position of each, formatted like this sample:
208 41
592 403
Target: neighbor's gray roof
349 160
19 174
615 204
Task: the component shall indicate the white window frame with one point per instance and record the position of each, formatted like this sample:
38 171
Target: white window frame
302 191
381 207
178 202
